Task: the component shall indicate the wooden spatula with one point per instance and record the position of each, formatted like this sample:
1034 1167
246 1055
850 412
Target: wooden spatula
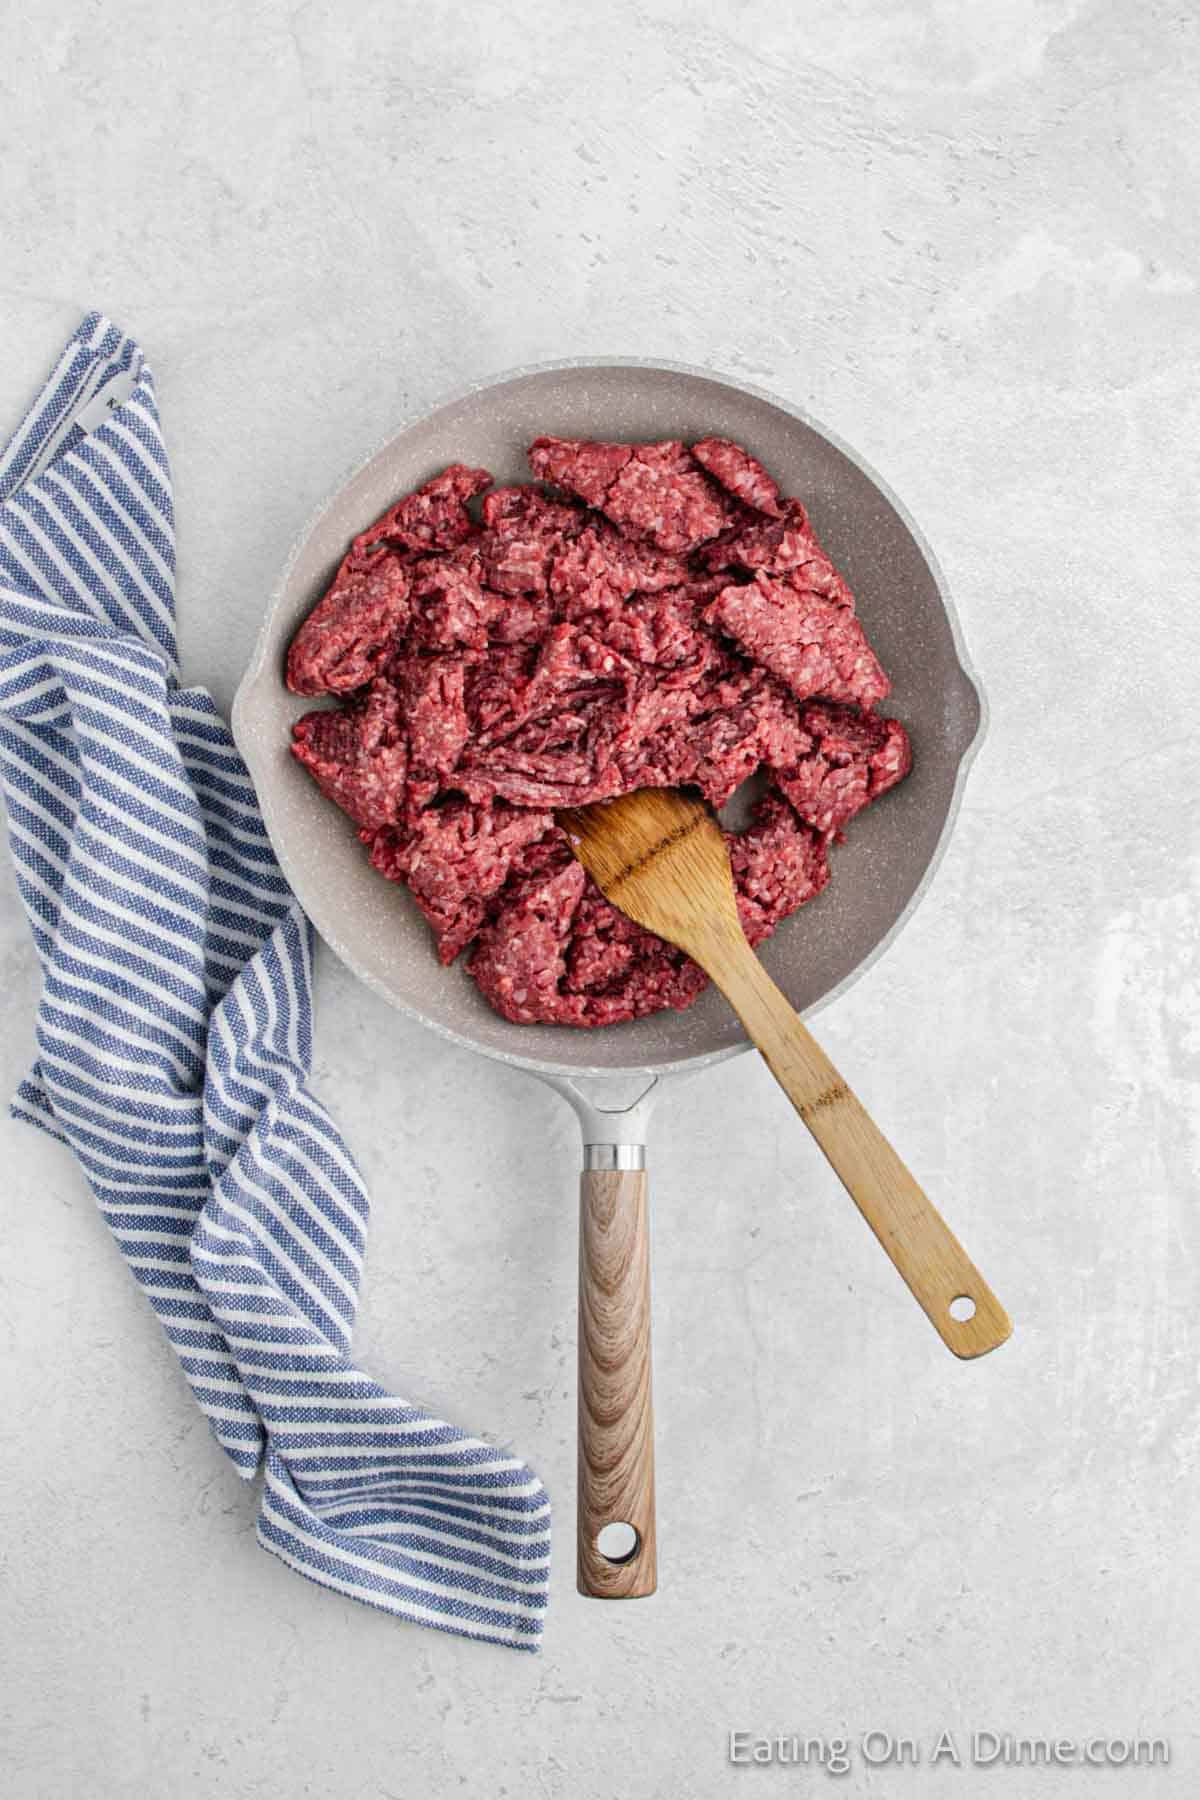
661 859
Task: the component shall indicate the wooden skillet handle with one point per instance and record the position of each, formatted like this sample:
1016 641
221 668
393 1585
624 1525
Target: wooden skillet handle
912 1231
616 1414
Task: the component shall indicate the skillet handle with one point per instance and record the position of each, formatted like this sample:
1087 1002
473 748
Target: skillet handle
616 1415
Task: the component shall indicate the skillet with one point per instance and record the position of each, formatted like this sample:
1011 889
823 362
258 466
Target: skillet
613 1076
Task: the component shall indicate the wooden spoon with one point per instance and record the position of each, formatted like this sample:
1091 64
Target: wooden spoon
661 859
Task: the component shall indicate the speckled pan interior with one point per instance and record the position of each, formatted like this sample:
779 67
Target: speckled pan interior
878 874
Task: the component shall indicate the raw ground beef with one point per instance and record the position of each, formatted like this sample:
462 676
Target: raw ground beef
653 615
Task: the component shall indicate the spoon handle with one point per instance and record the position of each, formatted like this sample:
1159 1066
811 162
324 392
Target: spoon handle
912 1231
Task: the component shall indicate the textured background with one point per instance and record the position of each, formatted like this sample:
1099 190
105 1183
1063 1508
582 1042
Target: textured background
966 237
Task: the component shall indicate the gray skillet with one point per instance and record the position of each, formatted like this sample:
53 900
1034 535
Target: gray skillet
613 1077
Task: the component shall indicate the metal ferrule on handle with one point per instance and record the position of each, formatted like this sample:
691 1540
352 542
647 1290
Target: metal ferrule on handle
614 1156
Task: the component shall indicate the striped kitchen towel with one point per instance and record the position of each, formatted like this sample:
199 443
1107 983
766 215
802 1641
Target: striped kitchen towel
174 1034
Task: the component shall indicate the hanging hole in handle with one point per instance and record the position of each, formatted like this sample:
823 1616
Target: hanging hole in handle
618 1542
962 1308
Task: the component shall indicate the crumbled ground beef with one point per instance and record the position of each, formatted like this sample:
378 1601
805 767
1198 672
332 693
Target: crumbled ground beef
740 473
653 616
348 637
815 646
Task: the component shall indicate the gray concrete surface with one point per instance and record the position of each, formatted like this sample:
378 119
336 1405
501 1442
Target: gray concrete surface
966 238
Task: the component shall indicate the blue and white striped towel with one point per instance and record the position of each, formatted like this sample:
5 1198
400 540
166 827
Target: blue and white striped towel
175 1029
